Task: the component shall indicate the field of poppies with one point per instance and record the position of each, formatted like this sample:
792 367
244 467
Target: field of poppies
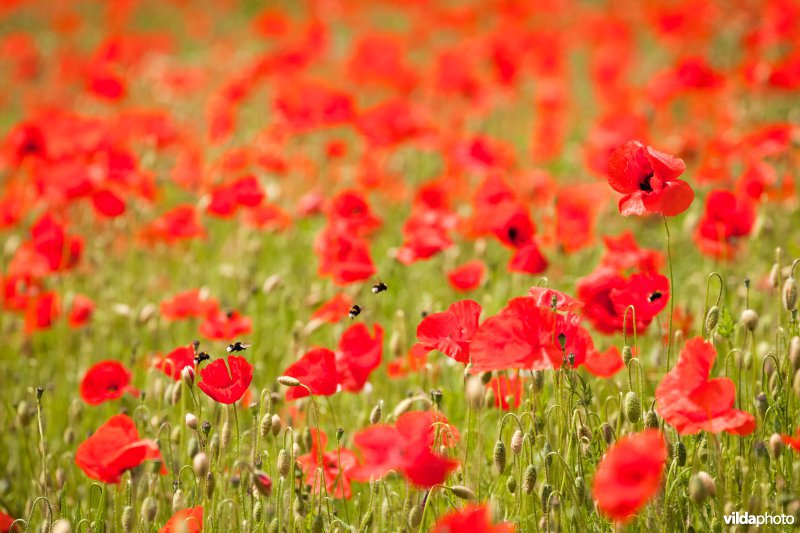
420 265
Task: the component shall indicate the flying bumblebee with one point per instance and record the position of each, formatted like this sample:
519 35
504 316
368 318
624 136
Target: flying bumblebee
237 347
379 287
354 311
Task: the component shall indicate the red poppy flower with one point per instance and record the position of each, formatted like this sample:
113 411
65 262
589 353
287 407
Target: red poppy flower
390 123
114 448
267 217
80 312
350 212
343 256
406 448
691 402
359 354
226 383
472 518
227 199
413 361
649 180
629 475
528 259
41 311
175 361
107 204
220 325
334 309
188 520
545 297
794 442
727 217
317 371
49 238
191 303
468 276
604 364
178 224
310 105
623 253
106 380
507 391
335 466
450 331
5 523
607 294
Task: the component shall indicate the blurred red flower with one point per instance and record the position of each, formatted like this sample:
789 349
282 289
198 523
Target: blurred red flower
317 371
507 391
727 217
220 325
114 448
226 383
191 303
629 475
335 466
41 311
468 276
472 518
450 331
649 180
104 381
691 402
175 361
334 310
358 355
604 364
188 520
80 312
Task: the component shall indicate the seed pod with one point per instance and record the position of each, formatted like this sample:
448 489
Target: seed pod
299 507
712 318
651 420
548 459
529 479
283 463
415 516
200 464
762 404
62 526
701 486
775 445
580 487
266 425
546 491
516 442
749 319
191 421
500 456
258 511
790 295
127 519
511 484
149 509
277 425
633 407
460 491
210 484
680 453
376 413
608 433
178 501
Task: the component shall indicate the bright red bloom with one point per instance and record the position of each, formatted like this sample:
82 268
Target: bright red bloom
191 303
506 389
227 199
468 276
226 383
359 354
106 380
49 238
727 217
334 309
180 223
343 256
317 371
335 466
108 204
649 180
604 364
188 520
545 298
175 361
528 259
629 475
350 212
390 123
5 523
406 448
472 518
623 253
451 331
114 448
607 294
794 442
220 325
42 311
80 312
310 105
691 402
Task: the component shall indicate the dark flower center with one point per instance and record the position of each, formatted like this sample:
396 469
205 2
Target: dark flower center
644 184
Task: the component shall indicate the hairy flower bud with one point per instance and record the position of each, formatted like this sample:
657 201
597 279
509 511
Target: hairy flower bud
529 479
790 295
702 486
749 319
633 407
283 463
377 413
460 491
516 442
500 456
651 420
712 318
191 421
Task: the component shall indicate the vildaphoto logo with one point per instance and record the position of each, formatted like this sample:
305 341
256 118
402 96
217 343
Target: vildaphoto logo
758 520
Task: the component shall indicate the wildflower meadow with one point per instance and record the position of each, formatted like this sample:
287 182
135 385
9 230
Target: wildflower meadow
457 266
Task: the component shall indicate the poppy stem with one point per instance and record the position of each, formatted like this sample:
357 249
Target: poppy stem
236 423
672 293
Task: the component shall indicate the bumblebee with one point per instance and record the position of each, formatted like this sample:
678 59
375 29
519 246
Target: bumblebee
199 358
237 347
379 287
354 311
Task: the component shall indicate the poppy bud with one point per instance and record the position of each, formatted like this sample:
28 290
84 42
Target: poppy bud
225 437
175 396
529 479
258 511
127 519
712 318
608 433
489 398
500 456
633 407
191 421
415 516
775 445
306 438
546 451
679 453
775 276
317 526
266 425
277 425
546 491
460 491
762 404
63 526
210 484
511 484
69 436
584 432
538 380
702 486
376 413
213 446
283 463
200 464
651 420
474 392
339 434
516 442
178 501
790 295
486 377
187 375
263 482
149 509
175 435
299 507
289 381
627 355
749 319
436 397
794 352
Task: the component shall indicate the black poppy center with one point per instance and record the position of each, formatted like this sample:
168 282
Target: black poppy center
644 184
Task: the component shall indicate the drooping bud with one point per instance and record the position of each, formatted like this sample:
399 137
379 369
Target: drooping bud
651 420
149 509
529 479
210 484
191 421
283 463
266 425
460 491
680 453
776 445
712 318
277 424
127 519
701 487
762 404
790 295
794 353
474 392
376 414
289 381
263 482
500 456
633 407
608 433
178 501
627 355
516 442
749 319
187 376
511 484
415 516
